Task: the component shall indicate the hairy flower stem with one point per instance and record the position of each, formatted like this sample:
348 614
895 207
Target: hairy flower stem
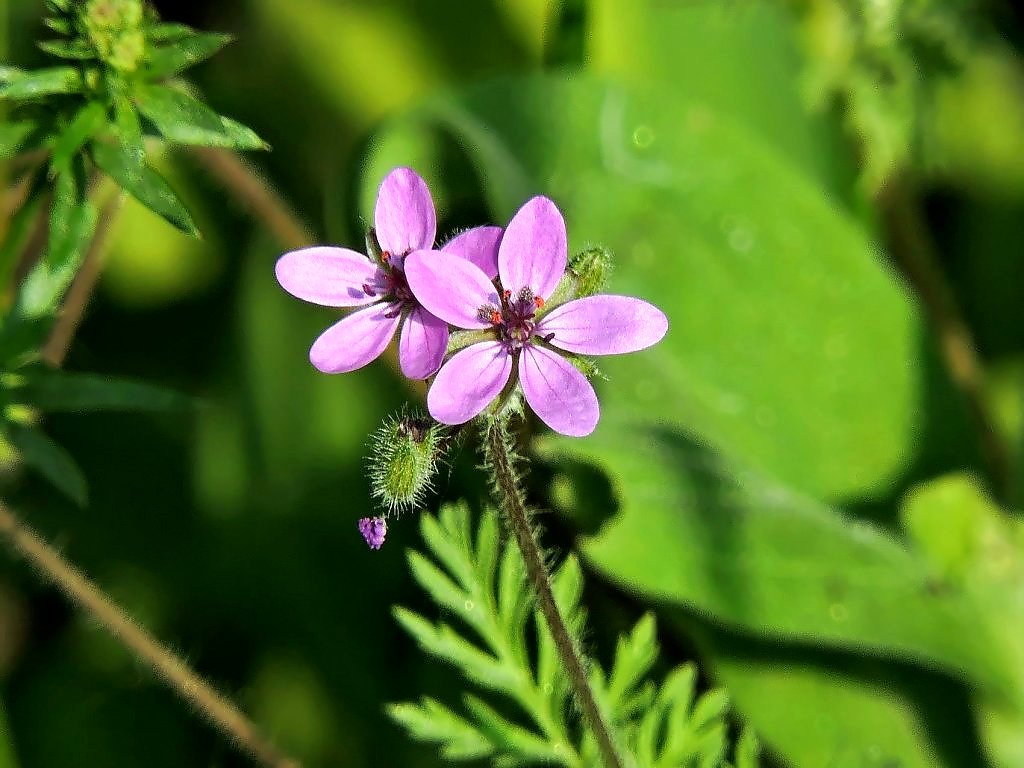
513 505
220 712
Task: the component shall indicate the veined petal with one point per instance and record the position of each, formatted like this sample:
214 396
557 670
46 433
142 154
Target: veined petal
557 392
356 340
480 246
404 216
534 249
604 325
333 277
450 287
422 344
468 382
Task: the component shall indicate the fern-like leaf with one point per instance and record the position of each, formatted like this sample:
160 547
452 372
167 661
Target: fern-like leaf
522 712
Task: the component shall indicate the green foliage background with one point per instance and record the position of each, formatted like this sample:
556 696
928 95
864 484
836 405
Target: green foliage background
756 478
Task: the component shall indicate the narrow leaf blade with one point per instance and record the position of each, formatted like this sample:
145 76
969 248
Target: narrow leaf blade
50 460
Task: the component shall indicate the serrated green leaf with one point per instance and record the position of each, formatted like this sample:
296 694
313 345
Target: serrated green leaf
59 391
143 183
50 460
21 85
635 654
512 737
432 721
86 123
444 591
710 707
447 545
178 56
68 49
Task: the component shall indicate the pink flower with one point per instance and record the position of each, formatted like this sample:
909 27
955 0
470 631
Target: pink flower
338 277
531 260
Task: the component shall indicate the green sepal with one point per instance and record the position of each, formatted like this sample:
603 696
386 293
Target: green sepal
182 54
143 183
19 86
50 460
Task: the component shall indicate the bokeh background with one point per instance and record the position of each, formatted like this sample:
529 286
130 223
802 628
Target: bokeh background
737 158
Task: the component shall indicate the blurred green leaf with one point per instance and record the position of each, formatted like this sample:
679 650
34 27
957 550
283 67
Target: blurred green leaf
182 53
430 721
748 750
50 460
143 183
7 758
181 118
20 85
697 530
164 32
782 312
14 136
85 124
56 390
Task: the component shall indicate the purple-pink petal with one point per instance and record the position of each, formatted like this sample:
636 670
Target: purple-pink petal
450 287
558 393
404 216
333 277
468 382
356 340
422 345
604 325
534 249
480 246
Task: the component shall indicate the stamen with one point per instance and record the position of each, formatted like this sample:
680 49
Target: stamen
496 317
548 337
385 256
368 290
506 294
538 301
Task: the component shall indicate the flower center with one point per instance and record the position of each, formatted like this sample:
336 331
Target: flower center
390 284
514 319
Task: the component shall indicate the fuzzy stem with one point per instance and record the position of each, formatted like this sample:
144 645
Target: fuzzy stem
513 505
218 710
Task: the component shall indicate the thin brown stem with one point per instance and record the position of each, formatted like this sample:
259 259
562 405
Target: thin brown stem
256 194
513 505
217 709
77 299
914 251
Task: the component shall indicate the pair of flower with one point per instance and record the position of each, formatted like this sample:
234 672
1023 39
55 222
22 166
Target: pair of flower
487 280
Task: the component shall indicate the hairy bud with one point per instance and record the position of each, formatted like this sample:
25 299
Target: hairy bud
404 453
592 269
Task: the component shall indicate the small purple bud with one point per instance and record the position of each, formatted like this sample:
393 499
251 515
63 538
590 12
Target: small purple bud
374 529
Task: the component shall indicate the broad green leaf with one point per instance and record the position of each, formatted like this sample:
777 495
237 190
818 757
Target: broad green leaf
813 717
143 183
50 460
695 529
782 312
20 85
56 390
85 124
181 118
974 546
68 49
179 55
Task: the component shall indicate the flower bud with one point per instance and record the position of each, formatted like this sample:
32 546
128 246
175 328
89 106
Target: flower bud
114 28
592 268
403 458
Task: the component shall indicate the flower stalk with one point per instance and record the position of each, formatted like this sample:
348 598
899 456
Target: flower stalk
500 464
218 710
